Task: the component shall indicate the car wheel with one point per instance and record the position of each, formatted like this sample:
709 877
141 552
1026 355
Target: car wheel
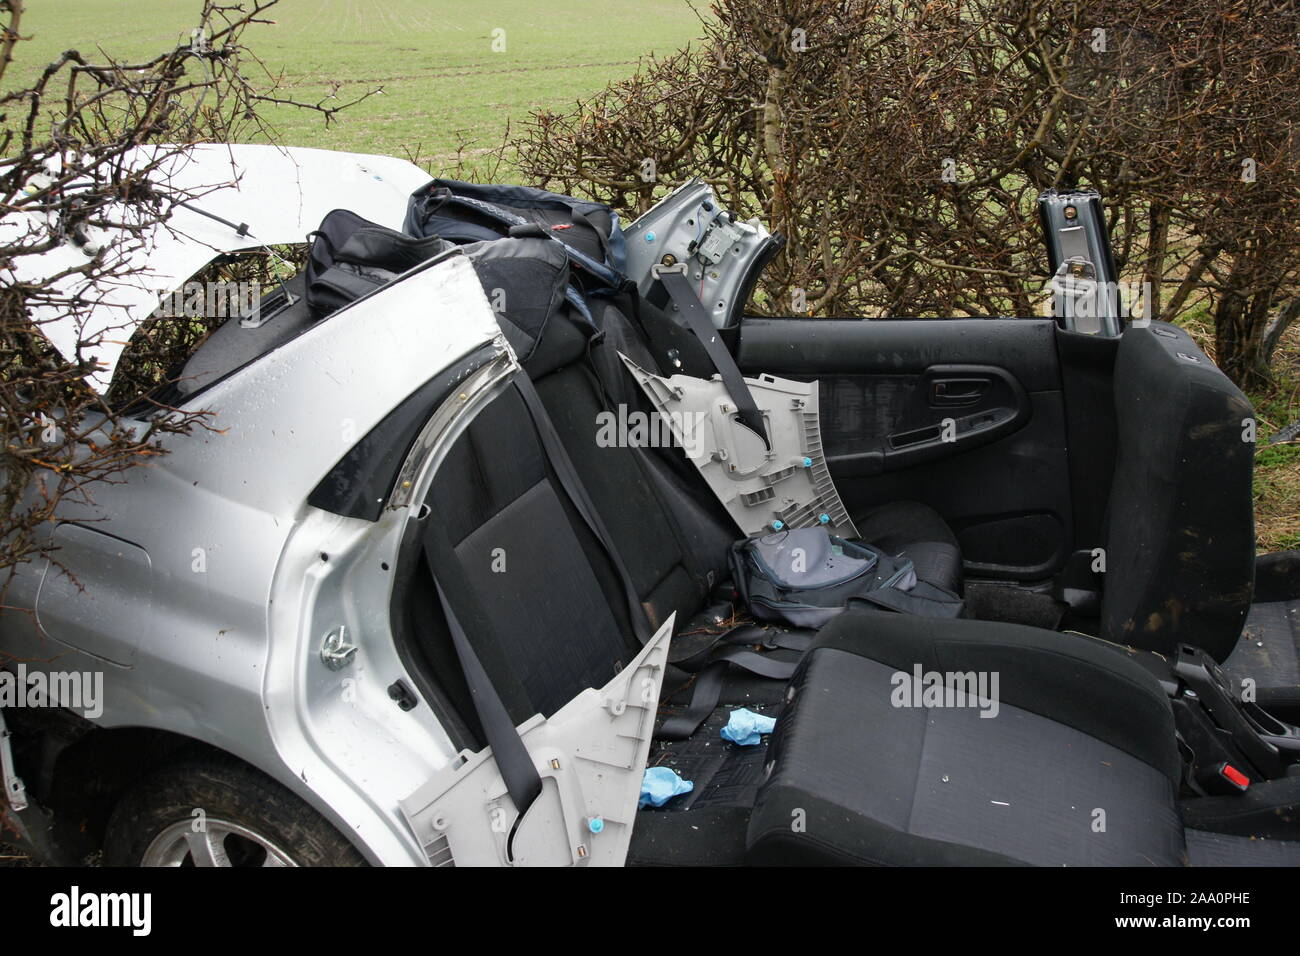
219 814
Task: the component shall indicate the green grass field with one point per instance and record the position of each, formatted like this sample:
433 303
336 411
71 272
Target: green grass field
444 86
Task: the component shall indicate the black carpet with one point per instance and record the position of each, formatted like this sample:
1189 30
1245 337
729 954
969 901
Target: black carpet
1012 605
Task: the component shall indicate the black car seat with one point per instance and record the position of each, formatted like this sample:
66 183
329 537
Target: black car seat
1180 543
1071 761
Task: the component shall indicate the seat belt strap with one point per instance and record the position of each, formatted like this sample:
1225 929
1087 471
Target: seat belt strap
698 321
517 769
704 698
562 465
924 599
707 690
693 655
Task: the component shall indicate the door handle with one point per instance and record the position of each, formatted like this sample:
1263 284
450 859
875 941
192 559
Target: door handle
957 392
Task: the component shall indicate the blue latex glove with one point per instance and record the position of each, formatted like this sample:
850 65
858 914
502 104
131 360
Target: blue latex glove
659 785
746 728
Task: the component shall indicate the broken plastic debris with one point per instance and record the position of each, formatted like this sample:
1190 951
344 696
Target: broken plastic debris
659 785
746 728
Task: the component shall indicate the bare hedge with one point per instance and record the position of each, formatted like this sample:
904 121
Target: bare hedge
900 144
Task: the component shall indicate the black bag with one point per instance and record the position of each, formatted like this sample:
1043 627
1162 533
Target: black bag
806 576
462 212
350 257
526 280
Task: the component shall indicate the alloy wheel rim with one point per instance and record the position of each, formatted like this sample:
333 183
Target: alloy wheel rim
217 843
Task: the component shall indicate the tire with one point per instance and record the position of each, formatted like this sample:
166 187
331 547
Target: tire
248 820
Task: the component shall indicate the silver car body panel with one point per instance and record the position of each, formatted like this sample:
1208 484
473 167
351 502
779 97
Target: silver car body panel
690 227
247 578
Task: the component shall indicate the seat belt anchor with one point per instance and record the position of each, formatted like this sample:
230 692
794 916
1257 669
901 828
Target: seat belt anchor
659 269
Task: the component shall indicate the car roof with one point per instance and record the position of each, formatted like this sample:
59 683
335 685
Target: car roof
278 195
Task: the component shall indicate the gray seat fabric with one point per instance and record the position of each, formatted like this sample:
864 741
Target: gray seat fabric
1221 849
1056 777
1269 650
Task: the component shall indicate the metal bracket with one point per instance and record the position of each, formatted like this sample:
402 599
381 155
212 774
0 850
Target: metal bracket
336 653
659 269
717 241
1085 293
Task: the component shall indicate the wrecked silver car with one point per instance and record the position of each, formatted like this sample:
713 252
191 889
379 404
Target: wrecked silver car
515 542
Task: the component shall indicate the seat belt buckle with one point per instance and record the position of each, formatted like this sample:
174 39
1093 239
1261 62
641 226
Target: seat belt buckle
1233 777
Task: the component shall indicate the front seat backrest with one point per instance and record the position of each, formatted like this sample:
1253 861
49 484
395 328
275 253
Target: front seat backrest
1180 542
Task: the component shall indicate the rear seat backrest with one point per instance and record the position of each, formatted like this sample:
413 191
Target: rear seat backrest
666 524
558 621
667 577
536 570
1180 552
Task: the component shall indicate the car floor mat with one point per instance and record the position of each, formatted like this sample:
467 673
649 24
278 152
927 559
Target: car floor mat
1012 605
724 774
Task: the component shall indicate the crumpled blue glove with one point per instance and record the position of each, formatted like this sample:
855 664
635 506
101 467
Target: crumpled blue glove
746 728
659 785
